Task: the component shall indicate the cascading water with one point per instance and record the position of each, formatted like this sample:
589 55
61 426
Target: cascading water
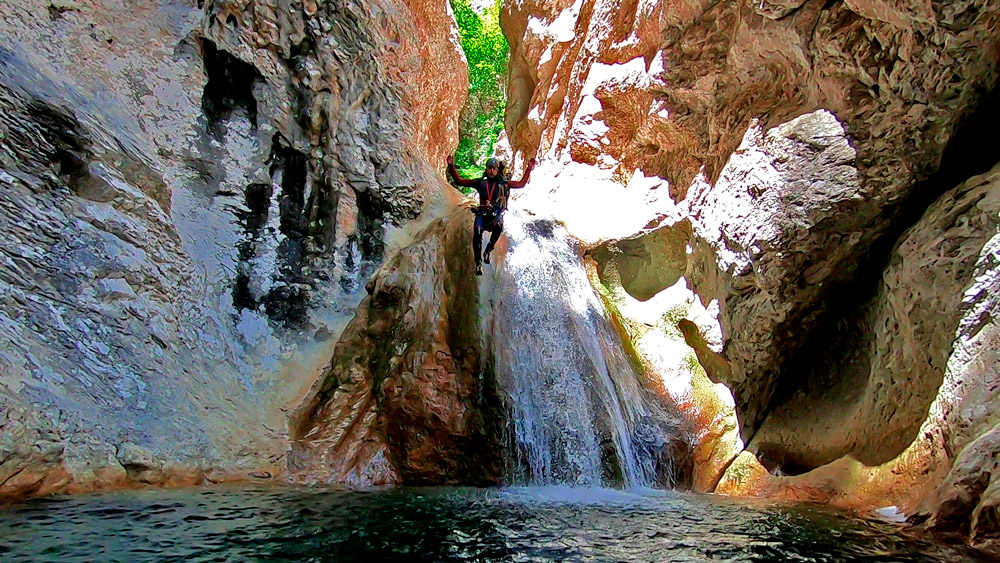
579 416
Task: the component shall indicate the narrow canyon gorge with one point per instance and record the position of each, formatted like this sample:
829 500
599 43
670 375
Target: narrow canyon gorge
759 255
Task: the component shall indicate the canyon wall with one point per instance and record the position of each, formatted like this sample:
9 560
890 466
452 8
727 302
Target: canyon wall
796 200
801 161
193 195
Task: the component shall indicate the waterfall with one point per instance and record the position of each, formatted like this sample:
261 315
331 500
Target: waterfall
578 414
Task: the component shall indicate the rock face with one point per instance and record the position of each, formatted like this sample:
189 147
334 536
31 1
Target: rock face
410 396
943 272
869 383
648 263
673 89
190 197
963 419
799 141
445 377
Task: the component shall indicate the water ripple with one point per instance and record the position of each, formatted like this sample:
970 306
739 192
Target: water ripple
522 524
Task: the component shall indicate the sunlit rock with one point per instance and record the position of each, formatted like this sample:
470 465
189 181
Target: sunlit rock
515 377
922 406
800 140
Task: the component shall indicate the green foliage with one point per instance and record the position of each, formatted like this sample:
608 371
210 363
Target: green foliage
693 366
609 294
673 316
487 53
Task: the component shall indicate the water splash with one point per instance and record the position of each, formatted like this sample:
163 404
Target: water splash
577 407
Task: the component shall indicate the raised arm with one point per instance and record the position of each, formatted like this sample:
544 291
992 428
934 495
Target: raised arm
454 174
524 179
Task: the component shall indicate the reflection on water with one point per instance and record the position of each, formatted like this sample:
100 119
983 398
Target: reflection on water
519 524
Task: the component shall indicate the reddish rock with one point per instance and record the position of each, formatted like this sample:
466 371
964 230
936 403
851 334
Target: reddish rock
409 397
793 135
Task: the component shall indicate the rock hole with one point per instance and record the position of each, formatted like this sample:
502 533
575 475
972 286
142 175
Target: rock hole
371 227
70 165
252 219
229 87
302 96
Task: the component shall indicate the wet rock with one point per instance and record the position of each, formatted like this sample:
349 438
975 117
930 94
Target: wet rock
31 452
720 100
800 139
408 397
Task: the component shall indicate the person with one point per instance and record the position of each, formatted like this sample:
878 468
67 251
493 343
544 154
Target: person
493 192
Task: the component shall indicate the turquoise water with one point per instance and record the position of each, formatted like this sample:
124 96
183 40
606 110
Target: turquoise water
516 524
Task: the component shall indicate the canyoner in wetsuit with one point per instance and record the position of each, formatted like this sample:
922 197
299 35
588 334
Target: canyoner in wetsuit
493 192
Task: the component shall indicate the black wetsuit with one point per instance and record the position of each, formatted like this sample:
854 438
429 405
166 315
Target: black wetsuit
489 214
493 194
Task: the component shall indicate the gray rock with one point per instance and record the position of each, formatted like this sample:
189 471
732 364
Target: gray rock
170 180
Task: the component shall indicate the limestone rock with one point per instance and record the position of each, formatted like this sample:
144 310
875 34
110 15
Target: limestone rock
799 139
171 180
780 215
913 367
702 94
883 371
648 263
409 397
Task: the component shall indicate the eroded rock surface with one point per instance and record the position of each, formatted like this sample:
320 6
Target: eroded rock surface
192 196
866 388
799 140
410 396
670 90
648 263
943 272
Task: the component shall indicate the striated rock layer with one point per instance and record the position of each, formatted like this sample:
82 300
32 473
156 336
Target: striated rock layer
191 195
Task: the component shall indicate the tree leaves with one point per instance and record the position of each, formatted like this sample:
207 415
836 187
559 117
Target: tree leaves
487 53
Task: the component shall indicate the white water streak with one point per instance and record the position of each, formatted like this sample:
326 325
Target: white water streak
574 395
